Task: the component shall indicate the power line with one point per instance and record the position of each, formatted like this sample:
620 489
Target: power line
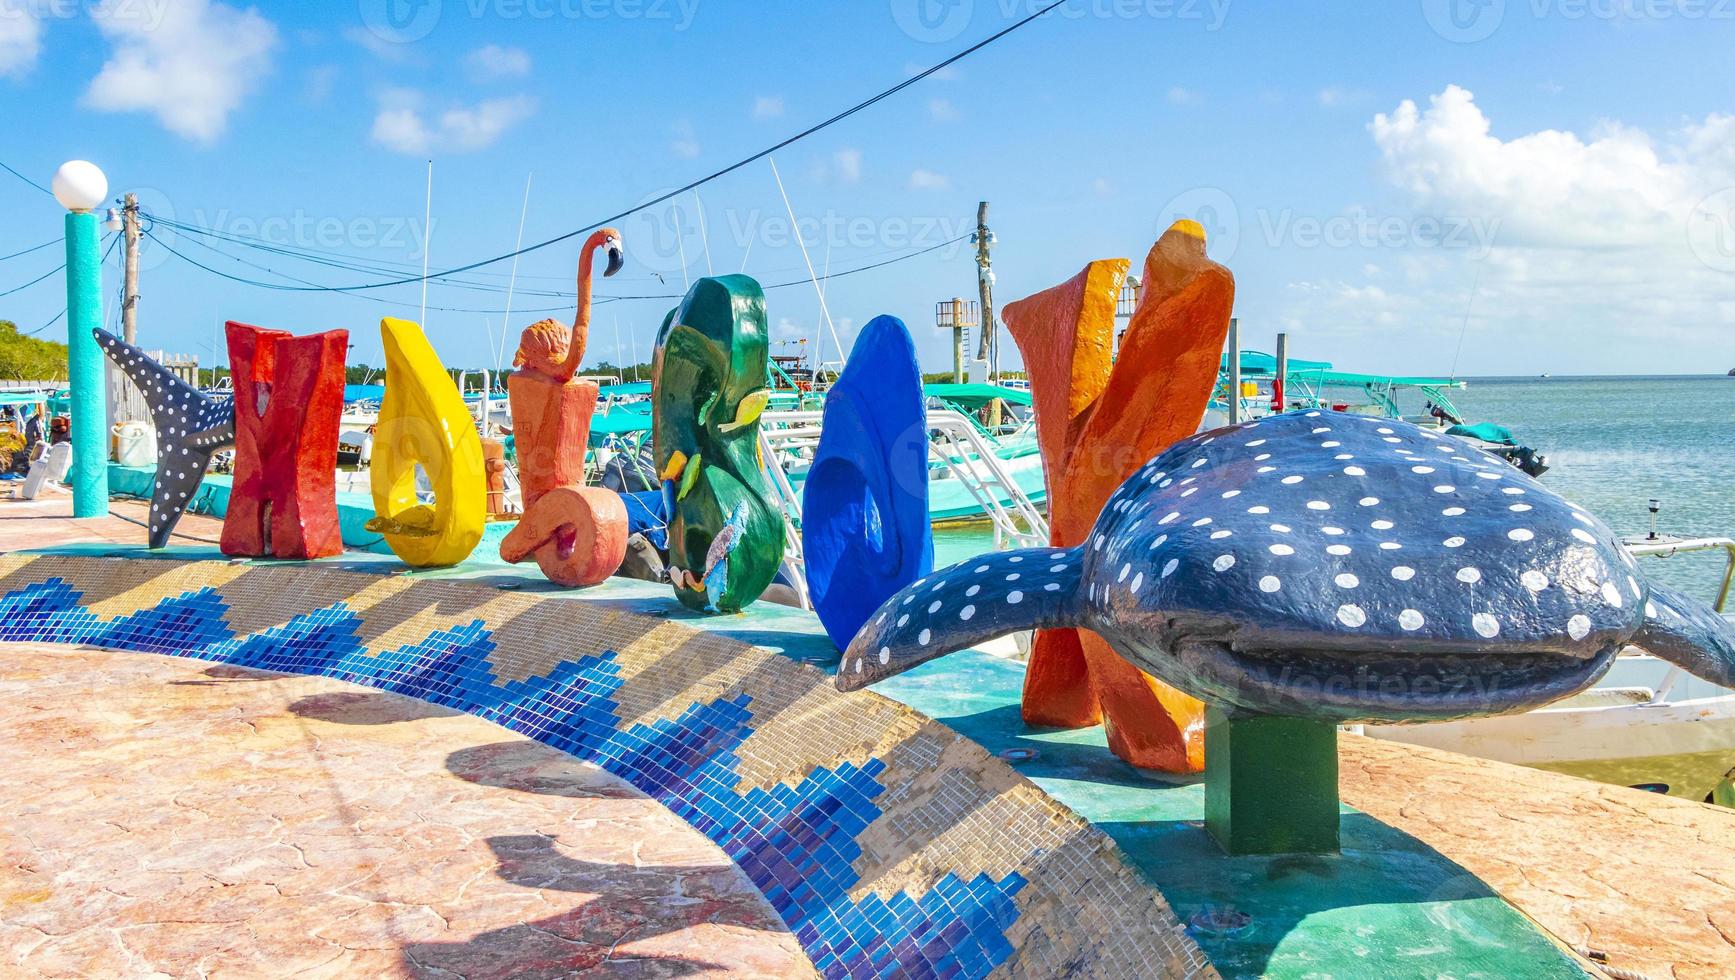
671 195
598 300
33 282
33 248
112 242
7 167
280 287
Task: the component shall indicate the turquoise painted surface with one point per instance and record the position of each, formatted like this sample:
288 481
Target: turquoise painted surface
1388 906
85 364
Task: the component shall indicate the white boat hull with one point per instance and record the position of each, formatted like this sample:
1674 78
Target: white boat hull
1618 732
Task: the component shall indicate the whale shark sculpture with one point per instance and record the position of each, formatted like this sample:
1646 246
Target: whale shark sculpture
1320 565
191 426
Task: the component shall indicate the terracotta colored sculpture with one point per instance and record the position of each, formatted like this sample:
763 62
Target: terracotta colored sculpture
576 534
710 382
865 528
1097 420
494 472
190 427
424 422
288 402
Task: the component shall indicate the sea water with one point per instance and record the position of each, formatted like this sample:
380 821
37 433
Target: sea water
1613 444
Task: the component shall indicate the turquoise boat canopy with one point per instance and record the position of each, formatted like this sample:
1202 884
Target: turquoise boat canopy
1345 378
1260 364
631 389
26 397
975 396
1485 431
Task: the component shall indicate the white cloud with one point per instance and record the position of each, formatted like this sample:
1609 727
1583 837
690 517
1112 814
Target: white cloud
1102 187
927 180
401 126
492 62
848 163
942 110
191 62
319 82
1614 251
20 37
686 142
378 46
768 107
1554 188
1180 96
1333 96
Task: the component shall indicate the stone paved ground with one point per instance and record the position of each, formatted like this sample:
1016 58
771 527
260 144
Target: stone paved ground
1648 879
48 521
175 817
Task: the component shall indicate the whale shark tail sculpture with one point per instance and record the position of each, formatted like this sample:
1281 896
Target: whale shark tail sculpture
190 427
1329 567
1098 417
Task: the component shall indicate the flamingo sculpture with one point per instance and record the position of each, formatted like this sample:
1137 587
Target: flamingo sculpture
576 534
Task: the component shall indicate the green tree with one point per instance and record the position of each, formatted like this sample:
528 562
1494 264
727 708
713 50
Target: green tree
25 358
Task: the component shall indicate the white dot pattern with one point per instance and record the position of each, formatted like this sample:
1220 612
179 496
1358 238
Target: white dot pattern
190 427
1273 533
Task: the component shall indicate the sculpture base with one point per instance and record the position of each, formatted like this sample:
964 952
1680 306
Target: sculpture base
1271 784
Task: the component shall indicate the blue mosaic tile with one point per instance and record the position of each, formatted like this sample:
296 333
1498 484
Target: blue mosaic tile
796 843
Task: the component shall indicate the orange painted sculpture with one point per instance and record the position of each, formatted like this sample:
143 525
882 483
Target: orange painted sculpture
1098 420
576 534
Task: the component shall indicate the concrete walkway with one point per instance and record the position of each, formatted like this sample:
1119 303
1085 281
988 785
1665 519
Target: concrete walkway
171 816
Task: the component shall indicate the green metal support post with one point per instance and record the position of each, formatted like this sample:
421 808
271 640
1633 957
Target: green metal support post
1271 784
89 412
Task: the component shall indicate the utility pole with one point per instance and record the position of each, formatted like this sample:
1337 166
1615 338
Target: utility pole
990 345
129 307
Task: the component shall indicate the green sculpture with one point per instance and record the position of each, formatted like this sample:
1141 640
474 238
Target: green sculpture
710 381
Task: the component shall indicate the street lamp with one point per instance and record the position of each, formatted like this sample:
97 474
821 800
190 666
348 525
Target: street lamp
80 186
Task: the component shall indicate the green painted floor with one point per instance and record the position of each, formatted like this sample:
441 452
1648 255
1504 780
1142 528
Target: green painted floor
1388 906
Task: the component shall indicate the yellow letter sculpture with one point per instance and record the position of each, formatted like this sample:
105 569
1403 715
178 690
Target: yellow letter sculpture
423 421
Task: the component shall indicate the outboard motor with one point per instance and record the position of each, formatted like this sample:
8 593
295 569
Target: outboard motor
636 473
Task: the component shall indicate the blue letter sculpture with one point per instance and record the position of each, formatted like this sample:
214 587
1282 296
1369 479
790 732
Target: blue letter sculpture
864 512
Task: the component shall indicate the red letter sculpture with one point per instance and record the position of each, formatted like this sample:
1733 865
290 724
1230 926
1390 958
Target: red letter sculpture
1098 420
288 400
576 534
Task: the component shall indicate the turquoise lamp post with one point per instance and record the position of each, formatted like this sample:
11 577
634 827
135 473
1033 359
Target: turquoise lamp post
80 187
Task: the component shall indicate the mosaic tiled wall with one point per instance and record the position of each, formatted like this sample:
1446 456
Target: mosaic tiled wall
889 844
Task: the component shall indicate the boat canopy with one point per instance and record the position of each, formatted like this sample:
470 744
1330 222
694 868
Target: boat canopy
1485 431
1346 379
974 396
363 393
25 396
1260 364
632 389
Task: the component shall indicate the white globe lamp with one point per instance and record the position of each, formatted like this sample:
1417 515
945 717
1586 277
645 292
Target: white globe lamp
79 185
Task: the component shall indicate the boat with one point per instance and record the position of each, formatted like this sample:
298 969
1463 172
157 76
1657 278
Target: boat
1423 401
1647 724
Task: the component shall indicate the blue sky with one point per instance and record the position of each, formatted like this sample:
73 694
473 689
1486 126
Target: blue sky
1548 180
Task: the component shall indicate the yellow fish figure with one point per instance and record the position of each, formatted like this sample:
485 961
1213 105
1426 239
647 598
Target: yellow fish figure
423 420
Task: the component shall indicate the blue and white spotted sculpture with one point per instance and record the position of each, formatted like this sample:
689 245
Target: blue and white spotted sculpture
1327 566
191 426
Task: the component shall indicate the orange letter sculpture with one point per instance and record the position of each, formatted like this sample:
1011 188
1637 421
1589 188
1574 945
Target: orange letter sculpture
1098 420
576 534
